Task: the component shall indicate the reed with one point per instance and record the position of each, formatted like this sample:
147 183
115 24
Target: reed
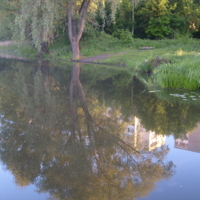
185 74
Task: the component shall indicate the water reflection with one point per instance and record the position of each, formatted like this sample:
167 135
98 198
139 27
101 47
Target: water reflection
189 141
146 140
163 115
68 143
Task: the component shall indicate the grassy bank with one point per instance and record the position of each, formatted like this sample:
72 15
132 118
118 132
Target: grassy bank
182 69
17 49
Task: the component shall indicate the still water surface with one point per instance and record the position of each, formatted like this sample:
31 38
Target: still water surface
92 132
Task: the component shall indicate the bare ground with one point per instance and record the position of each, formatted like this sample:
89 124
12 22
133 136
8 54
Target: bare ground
98 57
6 43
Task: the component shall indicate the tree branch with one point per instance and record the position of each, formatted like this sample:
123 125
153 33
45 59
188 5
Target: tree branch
94 23
62 6
83 18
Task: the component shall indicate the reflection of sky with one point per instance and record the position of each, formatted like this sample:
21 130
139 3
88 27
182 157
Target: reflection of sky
10 191
185 184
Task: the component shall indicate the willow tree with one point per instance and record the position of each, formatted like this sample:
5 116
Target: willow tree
7 13
37 19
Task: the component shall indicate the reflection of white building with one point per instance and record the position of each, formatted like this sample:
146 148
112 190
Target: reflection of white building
143 139
190 142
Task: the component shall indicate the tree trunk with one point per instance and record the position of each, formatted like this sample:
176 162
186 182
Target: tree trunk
75 85
76 25
75 49
44 47
133 18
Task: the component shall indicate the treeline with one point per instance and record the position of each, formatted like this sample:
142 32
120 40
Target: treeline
154 19
43 21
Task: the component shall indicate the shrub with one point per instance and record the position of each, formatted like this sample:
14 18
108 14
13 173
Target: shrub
124 35
158 27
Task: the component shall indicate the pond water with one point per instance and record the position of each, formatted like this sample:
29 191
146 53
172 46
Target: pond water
88 132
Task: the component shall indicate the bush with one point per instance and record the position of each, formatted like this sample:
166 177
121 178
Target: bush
124 35
158 27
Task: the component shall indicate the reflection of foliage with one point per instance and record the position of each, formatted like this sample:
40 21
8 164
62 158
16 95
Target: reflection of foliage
180 96
38 147
165 117
111 86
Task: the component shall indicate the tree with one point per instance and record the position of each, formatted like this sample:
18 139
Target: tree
180 16
104 16
134 4
39 18
158 15
123 18
76 23
159 27
7 13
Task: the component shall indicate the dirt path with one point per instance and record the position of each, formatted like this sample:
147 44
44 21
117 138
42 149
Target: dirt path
93 59
98 57
6 43
2 55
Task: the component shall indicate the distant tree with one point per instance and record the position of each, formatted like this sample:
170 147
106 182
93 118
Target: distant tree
7 13
134 5
123 17
184 16
104 16
157 12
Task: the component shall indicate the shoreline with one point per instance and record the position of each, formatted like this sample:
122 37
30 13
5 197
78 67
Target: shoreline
6 43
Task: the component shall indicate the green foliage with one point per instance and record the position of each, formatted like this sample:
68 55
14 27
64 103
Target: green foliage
179 24
60 48
123 18
124 35
162 114
37 19
141 21
6 29
90 31
182 97
157 20
103 43
184 74
165 18
103 16
36 102
158 28
150 64
7 13
145 67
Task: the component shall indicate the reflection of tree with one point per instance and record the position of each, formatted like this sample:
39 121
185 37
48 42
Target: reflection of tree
162 116
114 85
81 154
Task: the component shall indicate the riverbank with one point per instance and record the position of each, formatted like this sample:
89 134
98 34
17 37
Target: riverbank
181 56
6 43
106 49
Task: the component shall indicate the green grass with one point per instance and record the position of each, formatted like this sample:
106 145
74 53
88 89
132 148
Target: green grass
184 74
174 50
102 44
183 71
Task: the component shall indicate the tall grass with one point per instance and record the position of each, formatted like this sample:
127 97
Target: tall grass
184 74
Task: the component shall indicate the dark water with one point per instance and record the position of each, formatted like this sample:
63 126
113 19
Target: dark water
95 133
